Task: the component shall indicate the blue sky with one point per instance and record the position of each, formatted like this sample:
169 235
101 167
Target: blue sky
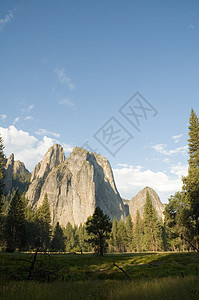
67 67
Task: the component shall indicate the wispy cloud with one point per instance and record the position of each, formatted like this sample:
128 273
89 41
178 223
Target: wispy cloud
67 101
6 20
43 131
177 138
162 148
27 109
16 120
179 170
191 26
63 78
28 118
67 148
3 117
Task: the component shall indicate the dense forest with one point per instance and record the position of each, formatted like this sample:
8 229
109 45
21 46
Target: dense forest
25 229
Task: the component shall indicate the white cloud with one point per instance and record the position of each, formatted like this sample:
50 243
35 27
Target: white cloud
16 120
130 180
43 131
191 26
161 148
67 148
122 165
3 117
6 20
67 101
64 79
27 109
166 160
176 138
26 147
179 170
28 118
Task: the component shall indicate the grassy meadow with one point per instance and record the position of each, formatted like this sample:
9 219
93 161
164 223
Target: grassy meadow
75 276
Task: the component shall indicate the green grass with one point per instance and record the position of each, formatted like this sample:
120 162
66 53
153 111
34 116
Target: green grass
164 288
152 276
90 267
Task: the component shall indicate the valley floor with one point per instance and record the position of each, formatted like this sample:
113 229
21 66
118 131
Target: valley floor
115 276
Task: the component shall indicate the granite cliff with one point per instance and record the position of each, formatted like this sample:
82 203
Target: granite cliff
53 158
138 202
75 186
16 175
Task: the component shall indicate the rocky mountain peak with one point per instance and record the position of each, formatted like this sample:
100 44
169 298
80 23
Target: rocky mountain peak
54 156
138 202
16 175
76 186
8 173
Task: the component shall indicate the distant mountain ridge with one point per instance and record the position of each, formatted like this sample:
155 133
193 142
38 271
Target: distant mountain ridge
75 186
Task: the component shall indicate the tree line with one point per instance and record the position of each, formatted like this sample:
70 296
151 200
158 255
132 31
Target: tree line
24 229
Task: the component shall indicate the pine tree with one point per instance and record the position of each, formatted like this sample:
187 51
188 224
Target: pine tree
152 230
178 224
82 238
129 233
191 182
138 233
15 224
113 244
2 164
99 227
193 140
44 220
122 238
58 240
70 237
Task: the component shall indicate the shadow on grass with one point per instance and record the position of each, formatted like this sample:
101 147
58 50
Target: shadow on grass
90 267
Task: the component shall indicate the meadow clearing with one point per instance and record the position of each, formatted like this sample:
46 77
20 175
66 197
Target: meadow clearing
85 276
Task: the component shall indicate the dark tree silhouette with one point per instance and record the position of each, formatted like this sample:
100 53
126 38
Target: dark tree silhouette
99 227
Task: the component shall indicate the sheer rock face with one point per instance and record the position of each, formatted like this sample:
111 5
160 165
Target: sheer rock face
16 174
138 202
76 186
52 159
8 173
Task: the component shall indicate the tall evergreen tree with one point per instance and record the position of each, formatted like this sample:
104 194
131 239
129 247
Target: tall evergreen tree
191 182
44 220
82 238
15 224
152 229
129 233
178 225
193 140
70 237
99 227
58 240
138 233
2 164
122 238
113 244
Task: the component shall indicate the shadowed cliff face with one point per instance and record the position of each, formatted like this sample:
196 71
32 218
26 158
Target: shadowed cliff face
54 157
16 175
75 187
138 202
